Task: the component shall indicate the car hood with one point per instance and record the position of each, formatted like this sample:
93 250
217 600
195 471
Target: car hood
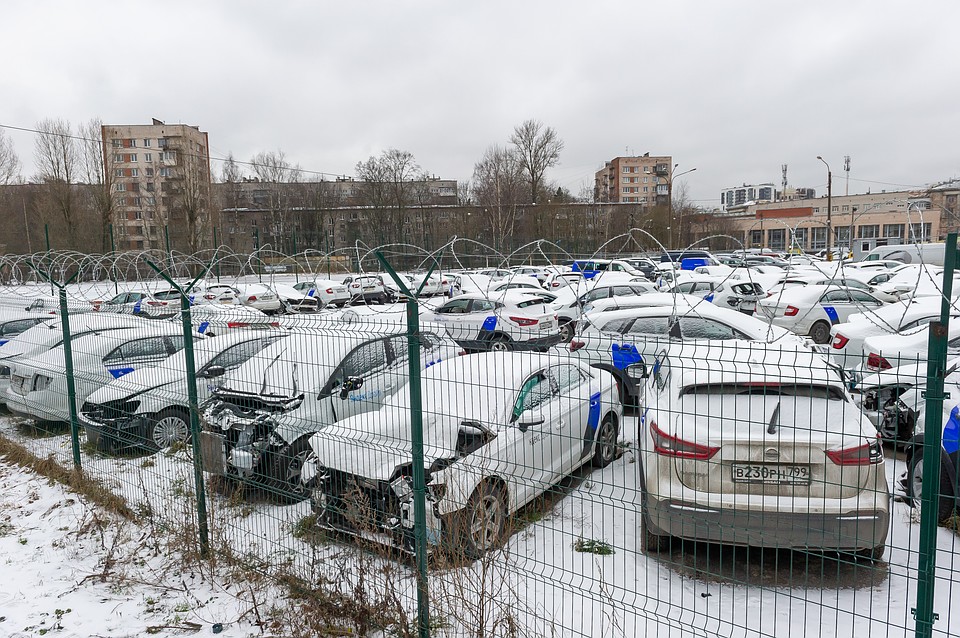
138 382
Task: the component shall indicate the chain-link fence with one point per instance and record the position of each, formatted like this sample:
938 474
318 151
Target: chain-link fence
445 451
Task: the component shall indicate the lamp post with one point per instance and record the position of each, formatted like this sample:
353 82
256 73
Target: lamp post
670 204
829 208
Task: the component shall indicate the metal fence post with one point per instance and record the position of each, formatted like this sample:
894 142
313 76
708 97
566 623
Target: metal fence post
932 442
191 369
416 429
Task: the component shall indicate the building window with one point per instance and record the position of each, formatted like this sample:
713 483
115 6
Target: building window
164 172
626 189
169 156
129 143
134 172
777 238
868 231
845 208
147 142
800 238
132 157
756 237
818 238
626 169
118 172
149 187
149 172
136 202
162 142
920 232
118 158
148 157
120 188
816 210
842 235
115 143
836 209
893 230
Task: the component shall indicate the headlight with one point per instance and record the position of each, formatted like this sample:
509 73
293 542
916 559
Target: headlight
41 382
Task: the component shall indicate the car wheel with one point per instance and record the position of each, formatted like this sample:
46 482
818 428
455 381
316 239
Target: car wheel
820 332
499 343
169 428
605 449
284 477
872 554
651 543
915 485
566 331
484 521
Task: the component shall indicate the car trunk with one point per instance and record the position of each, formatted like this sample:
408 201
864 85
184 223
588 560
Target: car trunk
770 445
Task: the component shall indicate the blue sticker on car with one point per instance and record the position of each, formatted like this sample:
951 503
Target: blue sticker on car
119 372
310 294
3 341
136 307
593 417
709 298
489 324
951 432
832 313
203 327
625 355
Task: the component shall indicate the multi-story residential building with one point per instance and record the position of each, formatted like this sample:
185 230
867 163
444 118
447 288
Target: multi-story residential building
641 180
740 196
160 176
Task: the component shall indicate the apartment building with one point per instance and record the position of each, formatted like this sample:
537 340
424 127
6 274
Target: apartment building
641 180
160 176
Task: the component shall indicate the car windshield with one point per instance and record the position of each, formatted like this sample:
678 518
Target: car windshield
767 388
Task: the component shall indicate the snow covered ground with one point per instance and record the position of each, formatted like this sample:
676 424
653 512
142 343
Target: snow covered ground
53 551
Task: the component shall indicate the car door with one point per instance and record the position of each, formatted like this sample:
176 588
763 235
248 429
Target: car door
140 353
534 455
397 372
452 316
579 413
367 362
837 305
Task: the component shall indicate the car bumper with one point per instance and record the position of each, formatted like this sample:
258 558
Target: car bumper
42 405
848 530
116 434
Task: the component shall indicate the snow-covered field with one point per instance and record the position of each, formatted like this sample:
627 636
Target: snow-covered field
54 552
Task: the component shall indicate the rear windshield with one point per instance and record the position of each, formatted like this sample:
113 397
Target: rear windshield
767 388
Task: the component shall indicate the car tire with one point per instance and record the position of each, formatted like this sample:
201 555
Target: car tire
499 343
820 332
482 525
947 505
566 331
167 429
283 477
651 543
872 554
605 447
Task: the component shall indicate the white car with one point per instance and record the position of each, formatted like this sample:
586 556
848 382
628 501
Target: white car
499 430
366 288
622 341
559 280
149 408
433 285
512 320
260 297
16 322
49 334
327 291
647 300
134 302
38 385
758 447
906 348
256 425
570 306
294 300
813 310
847 339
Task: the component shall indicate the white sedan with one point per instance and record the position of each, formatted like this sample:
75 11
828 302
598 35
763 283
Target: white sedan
908 348
758 447
812 310
327 291
511 320
499 430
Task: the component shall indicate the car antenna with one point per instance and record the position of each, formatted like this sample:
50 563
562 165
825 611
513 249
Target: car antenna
772 427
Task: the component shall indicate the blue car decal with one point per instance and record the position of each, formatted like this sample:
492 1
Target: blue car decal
203 327
310 294
136 306
366 396
119 372
709 298
3 341
489 324
832 313
434 362
625 355
593 418
951 432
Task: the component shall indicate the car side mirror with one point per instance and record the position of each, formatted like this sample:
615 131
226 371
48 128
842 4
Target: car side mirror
212 372
530 419
351 384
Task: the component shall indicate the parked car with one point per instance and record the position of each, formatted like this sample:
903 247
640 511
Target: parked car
16 322
797 467
133 302
593 267
38 385
812 310
621 341
906 348
500 429
569 306
327 291
256 425
149 408
366 289
512 320
260 297
912 481
295 301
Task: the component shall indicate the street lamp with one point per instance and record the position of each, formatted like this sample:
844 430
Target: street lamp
829 207
670 204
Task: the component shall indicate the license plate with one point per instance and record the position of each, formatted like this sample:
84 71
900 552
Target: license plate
213 452
771 474
546 325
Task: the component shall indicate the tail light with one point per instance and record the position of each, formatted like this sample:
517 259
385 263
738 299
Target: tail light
155 303
667 445
462 353
329 291
876 362
555 284
523 321
252 298
791 311
576 345
840 342
209 297
237 324
866 454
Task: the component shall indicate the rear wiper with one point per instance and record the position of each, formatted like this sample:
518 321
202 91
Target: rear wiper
772 426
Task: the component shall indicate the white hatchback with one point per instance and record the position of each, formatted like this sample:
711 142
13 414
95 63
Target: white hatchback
511 320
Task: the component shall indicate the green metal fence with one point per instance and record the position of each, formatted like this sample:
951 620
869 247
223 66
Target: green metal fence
390 470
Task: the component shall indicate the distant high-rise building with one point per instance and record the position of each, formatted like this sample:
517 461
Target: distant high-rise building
642 180
160 178
740 196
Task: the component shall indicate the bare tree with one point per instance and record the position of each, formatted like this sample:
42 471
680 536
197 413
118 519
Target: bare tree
230 173
388 188
498 188
538 148
273 170
99 175
9 162
58 162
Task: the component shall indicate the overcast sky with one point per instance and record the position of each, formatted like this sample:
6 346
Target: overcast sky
733 89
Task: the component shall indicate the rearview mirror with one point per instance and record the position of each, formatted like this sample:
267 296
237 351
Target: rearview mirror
351 384
212 372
